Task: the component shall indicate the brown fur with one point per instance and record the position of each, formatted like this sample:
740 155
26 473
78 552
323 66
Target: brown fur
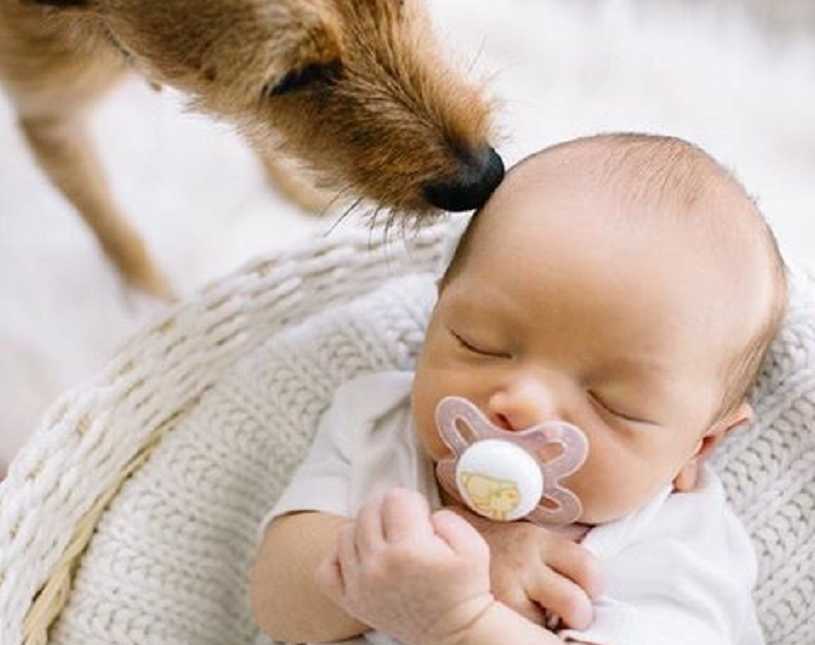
383 118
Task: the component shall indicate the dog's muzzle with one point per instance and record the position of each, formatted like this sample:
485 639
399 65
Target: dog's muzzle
479 176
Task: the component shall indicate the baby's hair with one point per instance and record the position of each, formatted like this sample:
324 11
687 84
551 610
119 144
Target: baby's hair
668 171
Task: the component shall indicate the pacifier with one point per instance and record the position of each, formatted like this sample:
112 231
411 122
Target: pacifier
502 474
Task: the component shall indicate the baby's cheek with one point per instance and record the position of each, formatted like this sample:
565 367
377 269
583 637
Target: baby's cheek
433 445
608 490
428 435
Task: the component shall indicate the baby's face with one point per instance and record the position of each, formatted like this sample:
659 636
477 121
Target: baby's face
563 309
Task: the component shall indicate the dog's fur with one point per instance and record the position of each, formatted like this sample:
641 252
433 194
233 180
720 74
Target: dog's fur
355 88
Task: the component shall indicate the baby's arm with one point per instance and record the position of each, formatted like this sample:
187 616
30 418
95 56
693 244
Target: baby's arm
420 578
286 602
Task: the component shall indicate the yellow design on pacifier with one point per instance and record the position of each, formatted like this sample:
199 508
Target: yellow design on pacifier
501 474
494 498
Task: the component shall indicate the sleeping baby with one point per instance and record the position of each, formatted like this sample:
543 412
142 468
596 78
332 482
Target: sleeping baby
615 299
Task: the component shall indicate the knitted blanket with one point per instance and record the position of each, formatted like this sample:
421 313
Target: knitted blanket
170 559
168 563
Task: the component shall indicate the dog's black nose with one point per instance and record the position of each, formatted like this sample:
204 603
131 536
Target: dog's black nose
479 177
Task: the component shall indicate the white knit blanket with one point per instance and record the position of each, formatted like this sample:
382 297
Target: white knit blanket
169 562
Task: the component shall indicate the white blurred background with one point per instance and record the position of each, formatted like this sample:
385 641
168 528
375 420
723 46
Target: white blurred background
735 76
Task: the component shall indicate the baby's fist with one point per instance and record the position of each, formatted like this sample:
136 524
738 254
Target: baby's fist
538 572
418 577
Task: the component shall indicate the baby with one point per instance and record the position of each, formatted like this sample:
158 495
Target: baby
625 284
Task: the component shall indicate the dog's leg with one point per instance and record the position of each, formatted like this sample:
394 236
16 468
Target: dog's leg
283 178
64 149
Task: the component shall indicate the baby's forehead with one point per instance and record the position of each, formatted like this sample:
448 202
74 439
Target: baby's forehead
660 171
659 185
667 194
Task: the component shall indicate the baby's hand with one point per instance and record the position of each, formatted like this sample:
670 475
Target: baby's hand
418 577
533 569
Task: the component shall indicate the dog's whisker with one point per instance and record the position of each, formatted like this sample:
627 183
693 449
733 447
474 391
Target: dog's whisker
343 216
477 55
338 196
357 206
370 236
369 218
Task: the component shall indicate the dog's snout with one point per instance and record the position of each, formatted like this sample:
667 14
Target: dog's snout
479 176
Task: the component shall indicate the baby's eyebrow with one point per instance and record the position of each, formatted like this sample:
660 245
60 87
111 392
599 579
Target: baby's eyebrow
642 364
650 375
486 303
653 377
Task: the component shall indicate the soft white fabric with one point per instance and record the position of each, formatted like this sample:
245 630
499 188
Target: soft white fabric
680 570
364 445
238 375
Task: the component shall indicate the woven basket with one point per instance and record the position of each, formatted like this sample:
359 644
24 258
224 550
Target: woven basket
96 546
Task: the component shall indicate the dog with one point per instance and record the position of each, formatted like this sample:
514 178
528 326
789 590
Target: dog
357 90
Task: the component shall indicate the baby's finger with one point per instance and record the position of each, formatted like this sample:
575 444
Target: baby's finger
369 534
573 532
347 554
515 597
578 564
405 513
328 577
460 536
562 597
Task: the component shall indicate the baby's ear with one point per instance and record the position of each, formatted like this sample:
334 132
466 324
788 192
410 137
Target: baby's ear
741 416
688 476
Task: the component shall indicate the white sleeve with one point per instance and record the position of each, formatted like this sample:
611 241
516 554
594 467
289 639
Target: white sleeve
321 481
686 579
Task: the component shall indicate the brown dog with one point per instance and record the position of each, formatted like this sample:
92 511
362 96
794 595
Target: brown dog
355 88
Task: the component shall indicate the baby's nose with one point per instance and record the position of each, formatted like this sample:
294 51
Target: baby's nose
522 405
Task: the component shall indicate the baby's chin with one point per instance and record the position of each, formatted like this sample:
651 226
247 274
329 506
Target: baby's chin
611 499
595 514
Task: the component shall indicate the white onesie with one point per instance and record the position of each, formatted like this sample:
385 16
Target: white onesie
679 571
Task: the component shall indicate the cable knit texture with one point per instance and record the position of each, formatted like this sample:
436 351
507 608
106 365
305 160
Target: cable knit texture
235 380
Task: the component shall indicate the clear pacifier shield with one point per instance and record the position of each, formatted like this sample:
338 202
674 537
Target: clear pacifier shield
501 474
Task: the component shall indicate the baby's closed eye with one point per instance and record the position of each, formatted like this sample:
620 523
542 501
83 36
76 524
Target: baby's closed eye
477 346
616 409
